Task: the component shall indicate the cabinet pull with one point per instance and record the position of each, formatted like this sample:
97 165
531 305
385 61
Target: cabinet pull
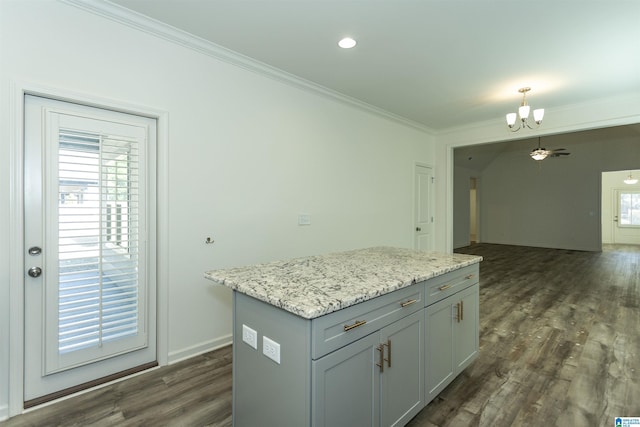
458 312
471 276
406 303
442 288
388 344
461 310
355 325
380 348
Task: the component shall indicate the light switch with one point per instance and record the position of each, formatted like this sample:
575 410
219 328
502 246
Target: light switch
304 219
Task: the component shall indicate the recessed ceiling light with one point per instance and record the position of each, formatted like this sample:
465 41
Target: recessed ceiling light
347 43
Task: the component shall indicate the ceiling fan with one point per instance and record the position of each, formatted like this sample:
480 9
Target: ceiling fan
542 153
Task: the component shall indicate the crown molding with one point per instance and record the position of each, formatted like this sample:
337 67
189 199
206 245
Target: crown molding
132 19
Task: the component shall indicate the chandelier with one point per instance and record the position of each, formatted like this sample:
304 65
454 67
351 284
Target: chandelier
523 112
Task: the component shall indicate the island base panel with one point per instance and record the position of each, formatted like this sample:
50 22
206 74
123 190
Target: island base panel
266 393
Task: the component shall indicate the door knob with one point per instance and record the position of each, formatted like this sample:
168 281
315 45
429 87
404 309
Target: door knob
418 229
34 272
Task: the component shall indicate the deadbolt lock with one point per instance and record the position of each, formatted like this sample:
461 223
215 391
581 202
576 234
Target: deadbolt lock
34 272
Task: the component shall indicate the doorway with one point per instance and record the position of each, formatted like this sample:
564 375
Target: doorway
89 239
620 208
473 211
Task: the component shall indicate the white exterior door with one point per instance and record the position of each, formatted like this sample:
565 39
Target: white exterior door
423 202
626 228
89 245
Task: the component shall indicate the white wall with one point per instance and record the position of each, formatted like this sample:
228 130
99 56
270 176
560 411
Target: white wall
246 154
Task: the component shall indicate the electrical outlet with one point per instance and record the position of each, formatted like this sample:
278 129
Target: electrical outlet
250 336
271 349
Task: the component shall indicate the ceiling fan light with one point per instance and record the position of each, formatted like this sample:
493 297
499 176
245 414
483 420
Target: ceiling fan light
523 111
538 115
539 154
511 119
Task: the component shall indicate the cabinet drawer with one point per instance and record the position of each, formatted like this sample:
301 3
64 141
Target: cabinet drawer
448 284
337 329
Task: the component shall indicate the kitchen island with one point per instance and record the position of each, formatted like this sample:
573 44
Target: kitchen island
365 337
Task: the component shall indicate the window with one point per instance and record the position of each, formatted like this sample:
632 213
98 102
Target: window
629 209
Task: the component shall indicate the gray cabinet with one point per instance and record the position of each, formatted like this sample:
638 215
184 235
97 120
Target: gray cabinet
451 338
346 386
439 340
401 382
376 380
467 329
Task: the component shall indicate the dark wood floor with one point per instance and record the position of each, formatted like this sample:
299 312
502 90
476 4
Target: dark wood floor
559 346
559 341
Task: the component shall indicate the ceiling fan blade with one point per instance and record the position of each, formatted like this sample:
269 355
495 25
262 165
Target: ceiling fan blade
558 154
558 149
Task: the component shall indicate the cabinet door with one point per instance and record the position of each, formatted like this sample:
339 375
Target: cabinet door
346 386
402 381
466 335
439 339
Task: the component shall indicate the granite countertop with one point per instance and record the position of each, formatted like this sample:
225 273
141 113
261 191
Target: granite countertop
313 286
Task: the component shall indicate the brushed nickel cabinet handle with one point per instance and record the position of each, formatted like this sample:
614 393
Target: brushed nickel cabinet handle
461 310
355 325
458 312
407 303
388 344
380 348
471 276
442 288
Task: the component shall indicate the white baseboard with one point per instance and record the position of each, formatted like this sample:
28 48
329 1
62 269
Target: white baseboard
4 412
195 350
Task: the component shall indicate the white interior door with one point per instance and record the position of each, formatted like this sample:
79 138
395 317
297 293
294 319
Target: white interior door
626 228
423 201
90 245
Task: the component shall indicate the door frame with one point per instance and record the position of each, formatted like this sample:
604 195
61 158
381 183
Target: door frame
16 221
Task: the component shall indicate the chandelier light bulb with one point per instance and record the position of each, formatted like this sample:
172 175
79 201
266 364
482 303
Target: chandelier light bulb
538 115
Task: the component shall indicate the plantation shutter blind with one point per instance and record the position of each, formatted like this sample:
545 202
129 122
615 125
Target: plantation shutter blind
99 239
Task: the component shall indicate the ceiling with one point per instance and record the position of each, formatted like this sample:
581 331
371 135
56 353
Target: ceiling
439 63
